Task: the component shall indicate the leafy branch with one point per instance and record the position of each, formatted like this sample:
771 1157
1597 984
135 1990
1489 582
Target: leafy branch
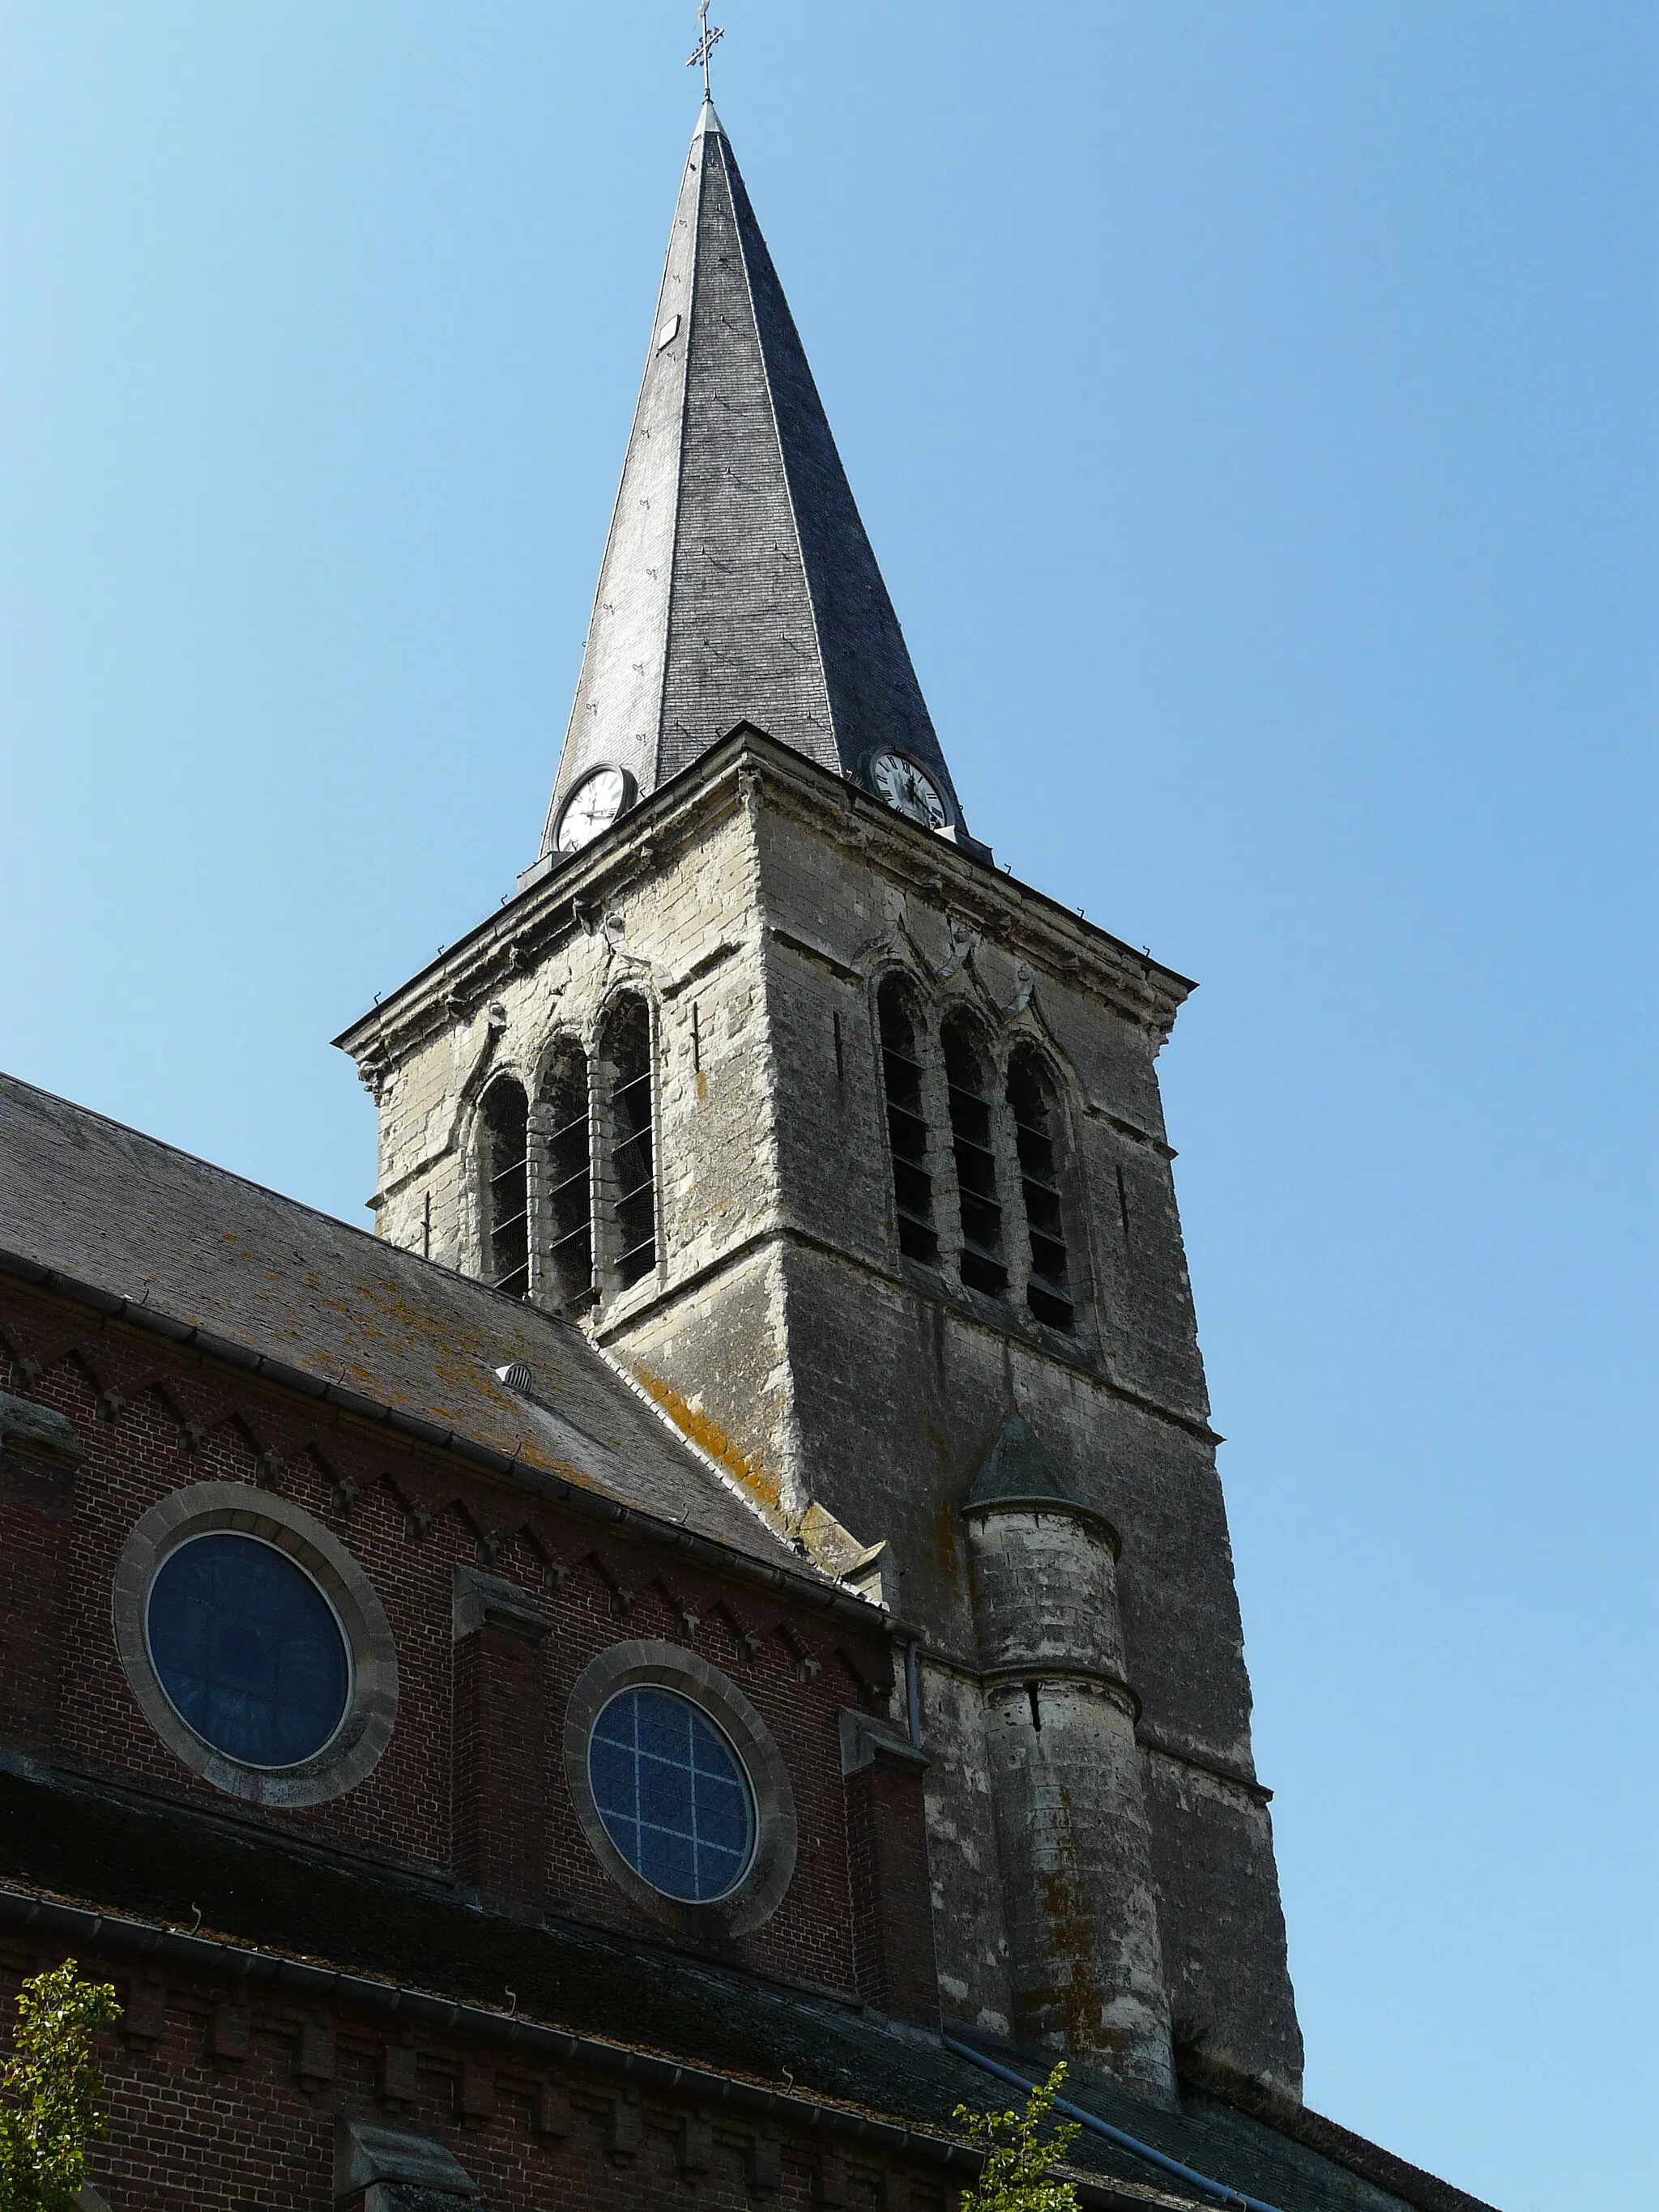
49 2088
1018 2173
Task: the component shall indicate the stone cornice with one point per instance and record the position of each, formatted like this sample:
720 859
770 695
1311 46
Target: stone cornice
549 912
1011 913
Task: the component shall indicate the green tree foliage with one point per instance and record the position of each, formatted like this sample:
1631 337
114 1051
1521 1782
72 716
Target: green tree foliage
1018 2175
48 2089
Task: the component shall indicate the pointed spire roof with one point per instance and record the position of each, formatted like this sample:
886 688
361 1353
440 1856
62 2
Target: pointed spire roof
737 584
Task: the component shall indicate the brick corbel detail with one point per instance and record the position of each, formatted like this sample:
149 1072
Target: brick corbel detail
39 1455
891 1898
500 1739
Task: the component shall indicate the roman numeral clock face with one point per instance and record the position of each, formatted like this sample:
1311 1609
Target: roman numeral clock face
908 790
598 800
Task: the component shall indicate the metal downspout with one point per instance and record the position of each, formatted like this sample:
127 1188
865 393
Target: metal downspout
1219 2192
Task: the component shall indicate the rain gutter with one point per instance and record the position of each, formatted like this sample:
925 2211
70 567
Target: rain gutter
1219 2192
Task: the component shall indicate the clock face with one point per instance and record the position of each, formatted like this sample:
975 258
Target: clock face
593 807
907 791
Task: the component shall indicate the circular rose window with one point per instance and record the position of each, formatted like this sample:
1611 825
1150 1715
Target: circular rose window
249 1652
672 1794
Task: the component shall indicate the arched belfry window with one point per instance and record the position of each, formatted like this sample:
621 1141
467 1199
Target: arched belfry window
631 1172
1032 1100
564 1123
505 1177
906 1123
969 1091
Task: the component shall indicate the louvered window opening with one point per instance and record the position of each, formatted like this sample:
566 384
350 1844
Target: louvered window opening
569 1167
506 1159
633 1174
968 1090
907 1127
1048 1293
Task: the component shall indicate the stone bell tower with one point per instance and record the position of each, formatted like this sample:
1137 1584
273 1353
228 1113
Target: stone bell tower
848 1147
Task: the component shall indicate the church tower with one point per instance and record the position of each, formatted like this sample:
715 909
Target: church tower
848 1148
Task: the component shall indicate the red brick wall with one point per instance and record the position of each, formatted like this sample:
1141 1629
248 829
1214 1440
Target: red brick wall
36 1503
224 2101
893 1909
153 1418
501 1758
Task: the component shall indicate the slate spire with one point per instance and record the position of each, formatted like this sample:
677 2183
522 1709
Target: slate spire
737 583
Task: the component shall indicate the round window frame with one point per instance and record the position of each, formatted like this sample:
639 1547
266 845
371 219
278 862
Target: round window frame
627 1690
208 1509
200 1536
648 1664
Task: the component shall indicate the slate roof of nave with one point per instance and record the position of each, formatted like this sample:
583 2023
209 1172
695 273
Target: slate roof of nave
104 1205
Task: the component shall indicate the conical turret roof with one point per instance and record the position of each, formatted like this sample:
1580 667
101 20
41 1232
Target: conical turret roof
1021 1473
738 585
1020 1469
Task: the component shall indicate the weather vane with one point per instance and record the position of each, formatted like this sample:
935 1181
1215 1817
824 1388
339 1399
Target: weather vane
705 44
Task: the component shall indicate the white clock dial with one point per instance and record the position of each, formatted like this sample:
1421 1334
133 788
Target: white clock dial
907 791
593 807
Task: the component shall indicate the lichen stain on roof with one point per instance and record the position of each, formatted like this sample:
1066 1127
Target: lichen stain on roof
755 1476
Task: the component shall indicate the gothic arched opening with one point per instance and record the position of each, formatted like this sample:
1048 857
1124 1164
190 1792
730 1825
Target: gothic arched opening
1032 1100
907 1121
569 1156
632 1170
969 1093
505 1162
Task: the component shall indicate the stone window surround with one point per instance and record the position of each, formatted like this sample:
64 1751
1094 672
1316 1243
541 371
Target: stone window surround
587 1033
1000 1040
652 1663
238 1508
568 1050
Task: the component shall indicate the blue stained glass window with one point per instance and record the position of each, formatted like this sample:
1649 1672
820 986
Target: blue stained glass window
248 1650
672 1794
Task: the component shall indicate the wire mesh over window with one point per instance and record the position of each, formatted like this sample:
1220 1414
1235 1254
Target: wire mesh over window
672 1794
969 1091
507 1186
1031 1099
569 1156
907 1124
633 1174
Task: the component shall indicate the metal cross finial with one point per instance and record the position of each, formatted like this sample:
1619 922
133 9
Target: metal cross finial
708 40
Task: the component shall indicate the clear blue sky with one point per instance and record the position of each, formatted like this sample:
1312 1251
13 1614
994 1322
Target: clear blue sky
1252 406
